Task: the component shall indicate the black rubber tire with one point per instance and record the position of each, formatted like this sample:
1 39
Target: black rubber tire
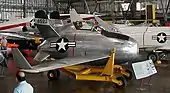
162 55
131 75
55 73
152 55
123 80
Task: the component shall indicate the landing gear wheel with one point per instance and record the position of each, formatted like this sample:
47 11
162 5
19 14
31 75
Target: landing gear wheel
162 55
152 56
123 80
53 74
128 77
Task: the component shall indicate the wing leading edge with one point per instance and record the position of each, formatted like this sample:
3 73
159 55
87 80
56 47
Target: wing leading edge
46 66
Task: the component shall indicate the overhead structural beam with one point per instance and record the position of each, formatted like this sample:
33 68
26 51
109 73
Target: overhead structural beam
95 6
88 10
122 11
102 1
98 2
167 7
128 8
68 6
56 5
46 6
24 8
163 10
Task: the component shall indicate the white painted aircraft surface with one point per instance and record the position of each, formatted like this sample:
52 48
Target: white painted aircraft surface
148 38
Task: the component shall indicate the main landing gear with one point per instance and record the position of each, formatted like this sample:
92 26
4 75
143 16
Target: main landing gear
108 73
53 74
155 56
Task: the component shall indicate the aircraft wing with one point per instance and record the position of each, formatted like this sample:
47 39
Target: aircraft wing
23 64
83 16
15 23
14 36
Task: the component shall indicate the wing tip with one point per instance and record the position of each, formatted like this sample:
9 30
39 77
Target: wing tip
30 71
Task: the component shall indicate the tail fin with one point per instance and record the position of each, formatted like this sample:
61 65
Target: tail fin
43 24
20 60
47 31
75 17
104 24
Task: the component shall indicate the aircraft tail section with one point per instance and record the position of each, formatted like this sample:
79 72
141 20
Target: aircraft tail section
47 31
104 24
77 20
74 16
20 60
44 25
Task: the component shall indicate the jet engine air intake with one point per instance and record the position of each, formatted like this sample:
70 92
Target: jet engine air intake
55 15
41 14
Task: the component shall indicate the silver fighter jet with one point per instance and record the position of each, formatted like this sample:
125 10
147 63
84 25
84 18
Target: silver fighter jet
72 47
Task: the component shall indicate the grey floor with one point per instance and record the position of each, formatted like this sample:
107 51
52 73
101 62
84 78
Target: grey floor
160 83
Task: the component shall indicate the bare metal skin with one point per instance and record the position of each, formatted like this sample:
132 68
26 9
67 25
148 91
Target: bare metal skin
89 43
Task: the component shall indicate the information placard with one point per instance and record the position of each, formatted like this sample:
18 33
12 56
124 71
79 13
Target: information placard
144 69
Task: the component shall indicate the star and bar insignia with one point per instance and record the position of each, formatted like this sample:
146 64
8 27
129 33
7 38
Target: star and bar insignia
62 44
161 37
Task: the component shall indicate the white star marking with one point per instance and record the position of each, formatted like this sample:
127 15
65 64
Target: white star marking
161 37
61 45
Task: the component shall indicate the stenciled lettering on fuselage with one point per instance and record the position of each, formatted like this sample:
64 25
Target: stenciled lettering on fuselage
62 44
161 37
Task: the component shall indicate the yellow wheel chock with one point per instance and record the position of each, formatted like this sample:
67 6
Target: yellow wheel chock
110 73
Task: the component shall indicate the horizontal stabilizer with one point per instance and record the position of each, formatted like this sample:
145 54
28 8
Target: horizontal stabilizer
20 60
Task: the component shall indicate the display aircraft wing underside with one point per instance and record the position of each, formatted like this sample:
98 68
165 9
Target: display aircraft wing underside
24 65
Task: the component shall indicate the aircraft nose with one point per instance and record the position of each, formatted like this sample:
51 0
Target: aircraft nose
133 45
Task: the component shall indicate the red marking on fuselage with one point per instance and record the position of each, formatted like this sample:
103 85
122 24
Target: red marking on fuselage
13 26
89 18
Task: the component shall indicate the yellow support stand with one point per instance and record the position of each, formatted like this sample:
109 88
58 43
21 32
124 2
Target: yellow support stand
108 73
108 70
